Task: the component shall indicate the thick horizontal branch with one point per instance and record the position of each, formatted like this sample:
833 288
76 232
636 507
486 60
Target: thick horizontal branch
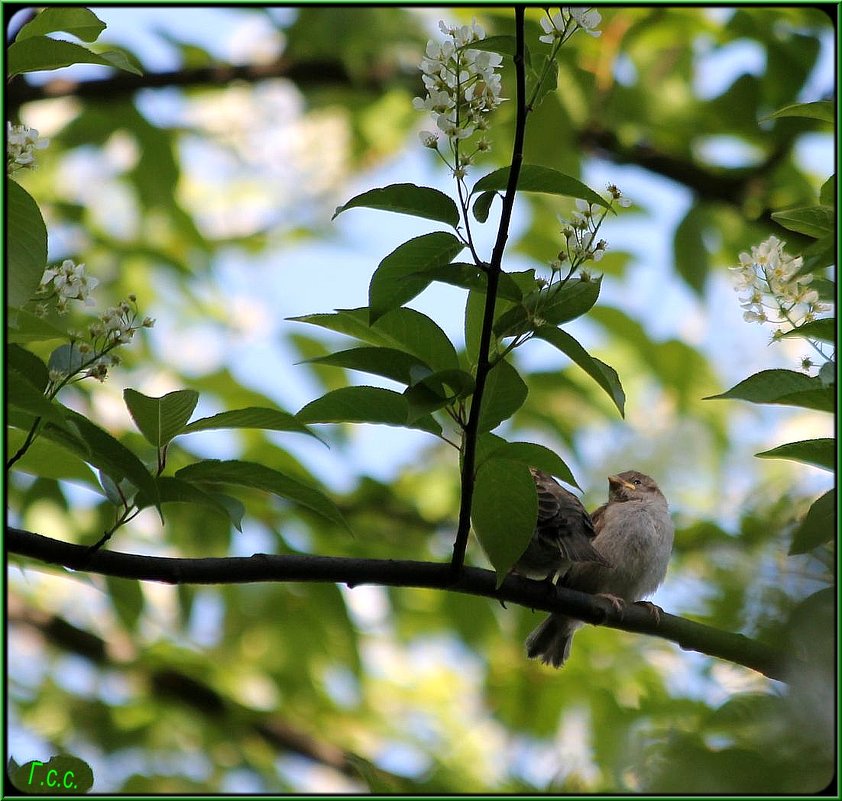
691 636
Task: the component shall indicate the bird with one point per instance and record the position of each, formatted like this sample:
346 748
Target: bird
563 533
634 535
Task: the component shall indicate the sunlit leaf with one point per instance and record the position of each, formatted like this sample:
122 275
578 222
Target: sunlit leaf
403 273
250 417
534 178
784 387
817 452
418 201
505 392
161 419
26 245
43 53
81 22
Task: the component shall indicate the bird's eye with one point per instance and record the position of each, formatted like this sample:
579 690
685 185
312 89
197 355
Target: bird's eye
636 482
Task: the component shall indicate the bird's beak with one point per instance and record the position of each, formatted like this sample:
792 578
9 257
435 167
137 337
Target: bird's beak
615 482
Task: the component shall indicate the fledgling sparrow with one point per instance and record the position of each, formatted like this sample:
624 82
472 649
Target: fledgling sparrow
563 533
634 535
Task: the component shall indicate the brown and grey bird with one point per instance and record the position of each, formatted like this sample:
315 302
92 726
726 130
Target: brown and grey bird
563 533
633 535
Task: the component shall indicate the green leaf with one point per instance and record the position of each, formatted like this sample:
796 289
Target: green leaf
79 22
817 527
127 599
177 490
482 206
505 392
469 276
817 452
784 387
534 178
161 419
827 194
251 417
418 201
405 329
814 221
26 245
28 365
97 447
258 476
43 53
364 405
24 326
823 329
401 275
604 375
690 253
436 390
504 45
387 362
49 459
816 110
504 511
23 394
537 456
562 303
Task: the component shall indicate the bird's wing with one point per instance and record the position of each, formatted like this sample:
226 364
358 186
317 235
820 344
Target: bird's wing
563 523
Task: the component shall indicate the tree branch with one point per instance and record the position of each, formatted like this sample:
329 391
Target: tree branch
691 636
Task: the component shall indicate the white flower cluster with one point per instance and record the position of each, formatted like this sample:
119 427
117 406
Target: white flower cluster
581 230
563 24
67 282
462 85
21 142
770 279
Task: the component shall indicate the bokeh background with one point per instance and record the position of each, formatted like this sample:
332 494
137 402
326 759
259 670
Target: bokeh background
211 200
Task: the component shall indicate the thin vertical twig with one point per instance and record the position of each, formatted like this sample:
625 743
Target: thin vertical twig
494 270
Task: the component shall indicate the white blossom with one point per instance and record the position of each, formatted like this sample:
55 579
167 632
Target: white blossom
566 21
462 84
21 142
68 282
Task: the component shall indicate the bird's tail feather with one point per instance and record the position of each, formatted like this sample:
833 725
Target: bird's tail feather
550 642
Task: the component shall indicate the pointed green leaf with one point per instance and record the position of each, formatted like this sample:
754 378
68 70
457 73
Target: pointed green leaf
24 326
127 599
22 394
784 387
827 194
504 511
26 245
43 53
537 456
817 452
824 329
437 390
817 110
482 206
505 392
387 362
559 304
418 201
98 448
28 365
402 274
814 221
49 459
404 329
364 405
689 250
504 45
818 526
250 417
79 22
534 178
177 490
258 476
161 419
604 375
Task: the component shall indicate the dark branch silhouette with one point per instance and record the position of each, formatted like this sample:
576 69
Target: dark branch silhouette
691 636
